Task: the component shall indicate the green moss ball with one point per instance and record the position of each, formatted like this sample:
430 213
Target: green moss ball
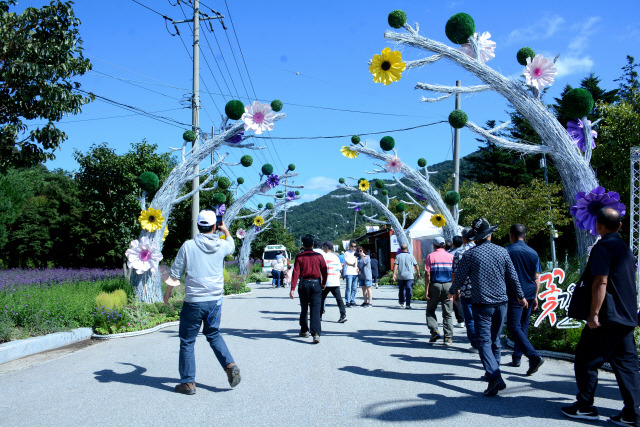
401 207
279 194
276 105
224 182
379 183
240 180
246 160
148 181
577 103
523 54
341 180
260 205
385 192
459 28
422 162
269 206
297 193
458 119
387 143
189 136
291 167
452 198
219 198
360 213
267 169
234 109
355 139
397 18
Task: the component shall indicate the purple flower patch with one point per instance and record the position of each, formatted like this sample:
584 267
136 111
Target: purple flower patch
273 180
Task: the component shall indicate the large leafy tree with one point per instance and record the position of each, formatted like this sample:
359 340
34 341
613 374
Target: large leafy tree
40 53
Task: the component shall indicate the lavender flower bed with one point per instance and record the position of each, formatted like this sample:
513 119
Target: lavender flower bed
17 277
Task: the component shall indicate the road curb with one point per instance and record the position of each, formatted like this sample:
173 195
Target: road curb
17 349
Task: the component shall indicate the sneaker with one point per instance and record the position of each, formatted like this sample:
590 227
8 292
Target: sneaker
348 305
316 339
342 319
401 304
408 307
534 365
620 420
495 385
515 363
233 374
185 388
303 334
578 411
376 286
459 325
364 304
448 341
434 337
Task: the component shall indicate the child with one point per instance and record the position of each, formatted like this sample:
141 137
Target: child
287 277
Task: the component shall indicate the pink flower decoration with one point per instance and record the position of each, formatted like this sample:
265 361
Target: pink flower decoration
143 256
539 72
486 47
394 165
258 117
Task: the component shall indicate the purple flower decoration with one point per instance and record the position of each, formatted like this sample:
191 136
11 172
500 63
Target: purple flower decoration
588 204
235 138
220 210
575 128
273 180
291 195
418 194
258 229
357 208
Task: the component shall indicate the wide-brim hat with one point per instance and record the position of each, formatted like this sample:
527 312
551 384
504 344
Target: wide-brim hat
481 229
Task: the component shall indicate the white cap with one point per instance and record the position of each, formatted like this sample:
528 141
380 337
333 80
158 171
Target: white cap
207 218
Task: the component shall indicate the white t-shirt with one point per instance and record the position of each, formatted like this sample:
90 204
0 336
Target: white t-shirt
350 258
333 269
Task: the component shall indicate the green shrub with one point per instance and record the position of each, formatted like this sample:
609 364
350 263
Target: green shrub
6 328
226 275
256 267
257 277
117 298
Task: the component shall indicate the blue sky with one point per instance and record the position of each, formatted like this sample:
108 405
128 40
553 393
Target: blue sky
313 56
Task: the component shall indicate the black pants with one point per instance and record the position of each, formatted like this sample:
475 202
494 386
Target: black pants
613 344
310 294
335 291
458 311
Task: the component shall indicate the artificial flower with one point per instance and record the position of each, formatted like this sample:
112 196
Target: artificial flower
258 229
151 219
165 233
291 195
438 220
363 185
234 139
143 256
357 208
575 128
393 165
273 180
539 72
258 117
240 233
387 67
348 152
258 221
486 47
588 204
418 194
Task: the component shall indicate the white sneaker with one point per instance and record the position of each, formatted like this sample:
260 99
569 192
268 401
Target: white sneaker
401 305
459 325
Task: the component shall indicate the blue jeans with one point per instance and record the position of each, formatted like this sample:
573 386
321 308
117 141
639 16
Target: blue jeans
192 315
350 291
405 291
518 327
489 321
467 310
276 278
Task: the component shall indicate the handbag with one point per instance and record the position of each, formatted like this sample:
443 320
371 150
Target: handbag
580 304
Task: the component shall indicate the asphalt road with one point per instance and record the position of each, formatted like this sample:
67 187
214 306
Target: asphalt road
377 368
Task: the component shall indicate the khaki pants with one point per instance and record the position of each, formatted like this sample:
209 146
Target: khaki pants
439 293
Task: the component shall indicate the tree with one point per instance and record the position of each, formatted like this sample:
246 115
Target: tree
40 53
629 82
15 190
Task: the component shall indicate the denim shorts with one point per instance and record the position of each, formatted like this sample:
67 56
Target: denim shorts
364 283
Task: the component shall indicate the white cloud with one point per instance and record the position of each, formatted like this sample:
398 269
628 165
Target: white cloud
543 28
321 184
573 65
581 41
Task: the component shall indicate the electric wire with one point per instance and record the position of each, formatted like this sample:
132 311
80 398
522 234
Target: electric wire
349 136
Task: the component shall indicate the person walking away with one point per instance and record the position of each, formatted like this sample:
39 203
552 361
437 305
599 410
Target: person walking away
374 269
277 270
311 270
457 307
608 335
333 280
437 278
201 261
527 264
364 275
463 296
403 268
491 273
351 275
341 256
287 276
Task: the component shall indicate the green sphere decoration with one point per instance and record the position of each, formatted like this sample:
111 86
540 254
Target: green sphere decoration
260 205
379 183
267 169
224 182
240 180
246 160
279 194
341 180
459 28
397 18
401 207
234 109
189 136
291 167
276 105
422 162
219 198
360 213
297 193
269 206
355 139
385 192
148 181
452 198
523 54
458 118
387 143
577 103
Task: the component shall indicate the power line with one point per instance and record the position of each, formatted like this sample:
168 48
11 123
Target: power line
152 10
109 117
345 136
133 84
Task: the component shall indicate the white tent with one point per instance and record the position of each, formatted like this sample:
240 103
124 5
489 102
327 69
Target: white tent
422 232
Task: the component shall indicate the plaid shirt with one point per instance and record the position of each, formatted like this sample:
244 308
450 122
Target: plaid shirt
465 291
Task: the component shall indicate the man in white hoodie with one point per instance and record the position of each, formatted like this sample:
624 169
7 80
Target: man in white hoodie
201 260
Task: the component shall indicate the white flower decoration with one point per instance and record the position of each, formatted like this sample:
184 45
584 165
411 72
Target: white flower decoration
240 233
393 165
539 72
486 47
143 256
258 117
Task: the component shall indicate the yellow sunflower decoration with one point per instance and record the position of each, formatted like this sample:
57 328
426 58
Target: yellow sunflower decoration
165 233
438 220
348 152
151 219
387 67
258 221
363 185
223 236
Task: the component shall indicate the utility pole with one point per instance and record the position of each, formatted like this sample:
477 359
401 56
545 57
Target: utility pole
285 203
456 149
552 231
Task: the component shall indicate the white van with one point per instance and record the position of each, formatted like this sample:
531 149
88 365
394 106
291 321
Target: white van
269 257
